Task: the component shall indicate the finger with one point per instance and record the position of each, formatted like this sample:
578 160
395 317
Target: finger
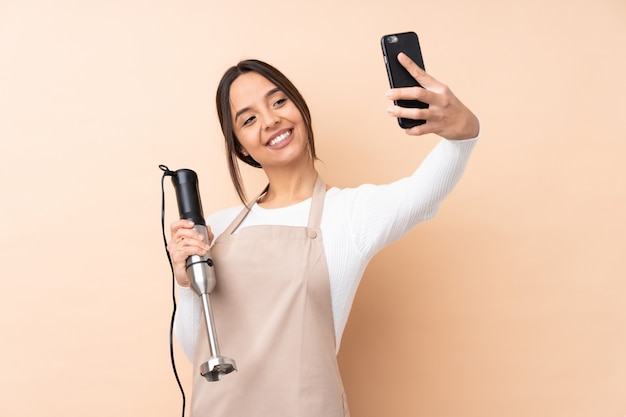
420 129
180 251
189 234
408 113
189 241
180 255
185 228
412 93
193 245
180 224
416 72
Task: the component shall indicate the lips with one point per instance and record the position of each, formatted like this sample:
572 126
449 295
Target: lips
280 138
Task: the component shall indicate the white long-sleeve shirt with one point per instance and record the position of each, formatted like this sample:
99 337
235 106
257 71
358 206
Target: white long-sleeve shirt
356 223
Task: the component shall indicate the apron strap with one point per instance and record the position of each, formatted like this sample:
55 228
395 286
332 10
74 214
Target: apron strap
317 203
243 213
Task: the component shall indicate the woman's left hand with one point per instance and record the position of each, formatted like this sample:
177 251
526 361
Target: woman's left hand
445 116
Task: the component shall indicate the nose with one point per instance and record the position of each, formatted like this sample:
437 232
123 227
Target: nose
270 120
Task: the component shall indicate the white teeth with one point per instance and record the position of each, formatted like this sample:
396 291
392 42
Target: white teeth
279 138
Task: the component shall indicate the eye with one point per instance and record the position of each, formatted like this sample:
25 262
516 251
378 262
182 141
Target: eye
280 102
248 120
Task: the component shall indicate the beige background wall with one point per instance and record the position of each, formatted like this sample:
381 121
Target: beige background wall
509 303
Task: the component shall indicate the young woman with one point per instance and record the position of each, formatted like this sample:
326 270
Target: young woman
288 262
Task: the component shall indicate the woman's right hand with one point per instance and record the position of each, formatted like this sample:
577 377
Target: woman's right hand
445 116
184 242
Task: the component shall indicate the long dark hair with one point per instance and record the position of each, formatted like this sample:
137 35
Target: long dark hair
222 100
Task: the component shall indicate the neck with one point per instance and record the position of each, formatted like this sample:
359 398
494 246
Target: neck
289 187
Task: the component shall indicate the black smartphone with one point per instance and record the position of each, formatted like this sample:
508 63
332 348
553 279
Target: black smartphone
392 45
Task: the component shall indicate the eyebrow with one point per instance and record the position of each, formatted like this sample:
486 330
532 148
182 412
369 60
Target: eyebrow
268 94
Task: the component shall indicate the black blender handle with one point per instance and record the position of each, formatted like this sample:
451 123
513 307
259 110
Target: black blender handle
189 204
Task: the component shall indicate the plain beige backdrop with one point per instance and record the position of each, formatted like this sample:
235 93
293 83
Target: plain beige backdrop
511 302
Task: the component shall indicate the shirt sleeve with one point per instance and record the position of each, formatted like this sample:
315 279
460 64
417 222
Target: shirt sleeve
382 214
187 320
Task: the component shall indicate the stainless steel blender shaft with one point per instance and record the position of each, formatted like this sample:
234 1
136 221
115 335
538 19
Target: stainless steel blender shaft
202 277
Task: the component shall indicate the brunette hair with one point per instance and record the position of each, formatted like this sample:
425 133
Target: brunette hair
222 100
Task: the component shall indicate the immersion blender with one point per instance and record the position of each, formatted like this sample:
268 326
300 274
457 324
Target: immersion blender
200 269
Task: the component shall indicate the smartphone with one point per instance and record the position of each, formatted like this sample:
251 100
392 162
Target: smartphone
392 45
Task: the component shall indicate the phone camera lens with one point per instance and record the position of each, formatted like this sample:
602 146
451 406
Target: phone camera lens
392 39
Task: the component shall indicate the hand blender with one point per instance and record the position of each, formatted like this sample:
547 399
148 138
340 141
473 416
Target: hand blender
200 269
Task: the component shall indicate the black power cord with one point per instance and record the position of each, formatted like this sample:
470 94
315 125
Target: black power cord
168 173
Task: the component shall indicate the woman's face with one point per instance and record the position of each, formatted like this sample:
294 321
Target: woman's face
267 123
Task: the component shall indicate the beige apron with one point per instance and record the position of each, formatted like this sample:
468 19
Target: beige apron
273 316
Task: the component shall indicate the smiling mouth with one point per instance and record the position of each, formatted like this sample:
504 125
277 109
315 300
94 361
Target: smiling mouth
280 138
